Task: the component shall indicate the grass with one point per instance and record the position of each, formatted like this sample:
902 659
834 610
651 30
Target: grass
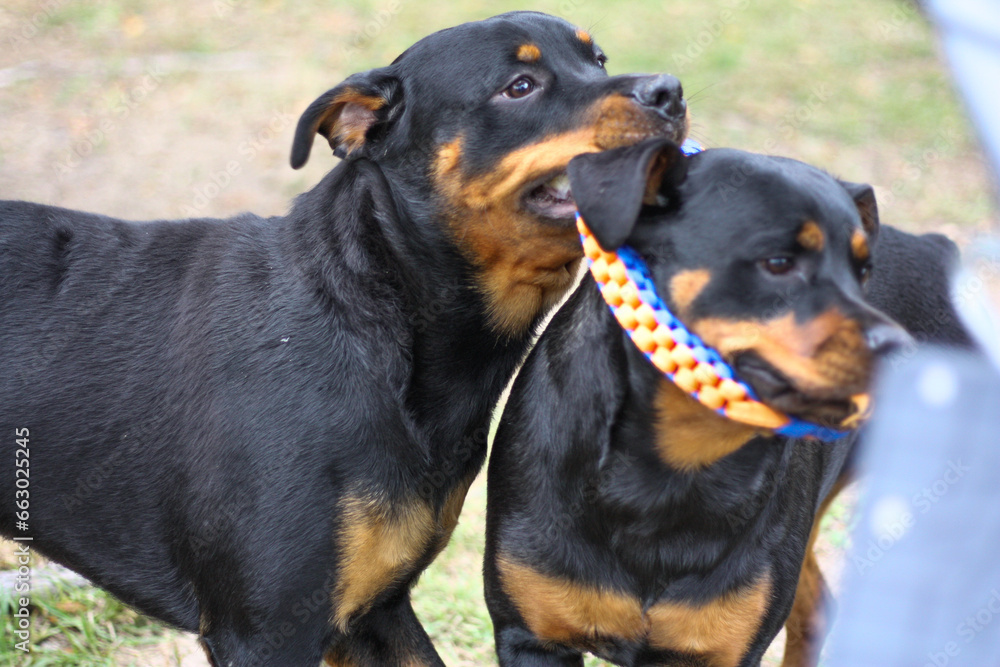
855 87
80 627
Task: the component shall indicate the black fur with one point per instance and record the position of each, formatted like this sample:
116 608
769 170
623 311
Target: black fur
577 490
202 395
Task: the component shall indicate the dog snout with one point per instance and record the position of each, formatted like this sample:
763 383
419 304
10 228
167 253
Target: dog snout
662 93
884 339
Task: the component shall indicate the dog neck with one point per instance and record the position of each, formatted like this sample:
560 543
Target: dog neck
662 456
402 261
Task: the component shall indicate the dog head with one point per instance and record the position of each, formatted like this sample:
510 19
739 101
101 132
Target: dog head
481 121
764 258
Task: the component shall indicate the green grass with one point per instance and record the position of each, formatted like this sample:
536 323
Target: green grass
854 86
81 627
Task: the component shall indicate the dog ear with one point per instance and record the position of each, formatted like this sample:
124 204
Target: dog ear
610 187
345 114
864 198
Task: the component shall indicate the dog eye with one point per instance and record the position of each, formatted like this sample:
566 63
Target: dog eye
602 60
520 88
778 265
864 273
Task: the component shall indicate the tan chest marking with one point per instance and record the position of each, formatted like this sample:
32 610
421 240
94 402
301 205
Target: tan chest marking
721 630
689 436
556 610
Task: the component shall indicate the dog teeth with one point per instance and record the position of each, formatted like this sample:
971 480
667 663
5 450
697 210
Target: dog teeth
560 184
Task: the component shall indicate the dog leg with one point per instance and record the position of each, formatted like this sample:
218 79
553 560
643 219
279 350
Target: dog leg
226 649
808 622
517 647
387 636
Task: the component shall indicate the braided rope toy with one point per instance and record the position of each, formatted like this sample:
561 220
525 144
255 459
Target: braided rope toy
697 369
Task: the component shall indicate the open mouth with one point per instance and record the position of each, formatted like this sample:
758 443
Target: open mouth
551 198
777 391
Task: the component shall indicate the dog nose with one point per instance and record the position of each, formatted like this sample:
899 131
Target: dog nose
885 339
663 93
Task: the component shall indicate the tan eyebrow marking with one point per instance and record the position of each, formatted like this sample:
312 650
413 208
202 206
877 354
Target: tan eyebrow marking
584 36
528 53
811 237
859 245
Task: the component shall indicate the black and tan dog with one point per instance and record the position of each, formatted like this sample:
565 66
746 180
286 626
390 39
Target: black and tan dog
626 519
262 430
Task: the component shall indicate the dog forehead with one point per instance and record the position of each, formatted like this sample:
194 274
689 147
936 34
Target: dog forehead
473 48
768 190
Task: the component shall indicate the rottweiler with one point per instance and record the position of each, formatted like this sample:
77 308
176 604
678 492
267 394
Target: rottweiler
625 518
263 429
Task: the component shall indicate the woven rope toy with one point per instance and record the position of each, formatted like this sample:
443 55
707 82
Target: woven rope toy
696 368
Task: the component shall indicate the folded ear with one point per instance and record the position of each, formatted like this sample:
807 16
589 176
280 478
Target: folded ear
864 198
610 187
345 114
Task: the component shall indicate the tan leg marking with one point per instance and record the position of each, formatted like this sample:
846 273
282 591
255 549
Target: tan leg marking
807 624
558 610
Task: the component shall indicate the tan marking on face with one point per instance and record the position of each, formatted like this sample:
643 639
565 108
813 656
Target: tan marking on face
584 36
811 237
525 264
686 286
621 122
689 436
859 246
719 631
825 357
529 53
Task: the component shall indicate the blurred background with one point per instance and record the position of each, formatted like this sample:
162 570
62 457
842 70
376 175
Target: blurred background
143 109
